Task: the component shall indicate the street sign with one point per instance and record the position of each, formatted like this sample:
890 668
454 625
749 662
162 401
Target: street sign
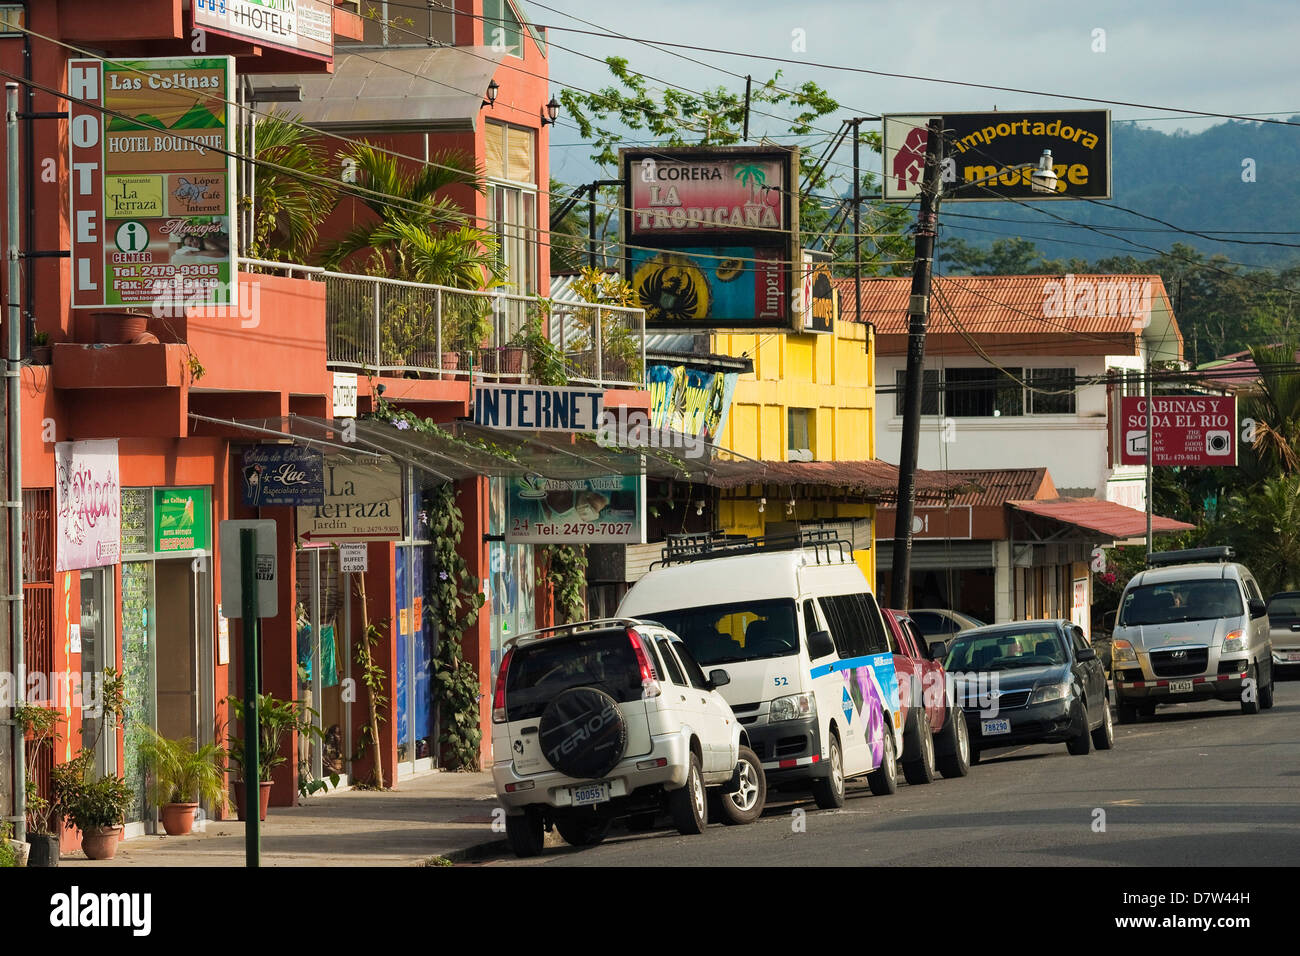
345 395
232 591
362 502
1188 430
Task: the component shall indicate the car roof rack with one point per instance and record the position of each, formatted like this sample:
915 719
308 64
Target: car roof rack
1221 554
685 548
598 624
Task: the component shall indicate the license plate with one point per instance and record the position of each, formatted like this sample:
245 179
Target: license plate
1180 687
593 793
991 728
1291 655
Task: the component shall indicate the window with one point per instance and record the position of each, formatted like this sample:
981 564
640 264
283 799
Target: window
391 23
983 392
541 671
670 663
799 431
1196 600
845 615
509 153
745 631
512 206
809 619
693 669
930 391
501 28
1051 380
880 639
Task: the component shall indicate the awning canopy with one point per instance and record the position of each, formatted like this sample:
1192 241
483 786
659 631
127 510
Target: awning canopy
1105 518
417 89
872 479
457 450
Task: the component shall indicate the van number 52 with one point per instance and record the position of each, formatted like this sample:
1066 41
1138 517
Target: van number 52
780 681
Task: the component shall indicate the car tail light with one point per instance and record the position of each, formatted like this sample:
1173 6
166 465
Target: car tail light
652 764
649 682
499 698
522 785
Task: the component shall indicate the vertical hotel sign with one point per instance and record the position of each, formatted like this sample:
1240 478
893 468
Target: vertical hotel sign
152 182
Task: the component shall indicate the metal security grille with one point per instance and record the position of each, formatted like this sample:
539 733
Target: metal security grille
38 580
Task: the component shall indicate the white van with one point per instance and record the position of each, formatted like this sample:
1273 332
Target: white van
795 624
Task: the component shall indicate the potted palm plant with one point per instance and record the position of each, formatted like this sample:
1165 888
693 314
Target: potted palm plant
181 775
276 718
42 350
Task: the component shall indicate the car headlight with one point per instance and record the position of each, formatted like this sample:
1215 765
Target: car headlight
1122 652
791 708
1050 692
1234 641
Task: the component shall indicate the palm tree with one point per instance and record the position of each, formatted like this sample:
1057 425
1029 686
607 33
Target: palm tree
291 191
1276 408
1264 525
415 233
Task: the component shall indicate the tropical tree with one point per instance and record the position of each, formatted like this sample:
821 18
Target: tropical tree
415 233
1275 409
1264 526
292 194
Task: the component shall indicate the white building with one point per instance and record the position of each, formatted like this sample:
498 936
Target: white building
1022 372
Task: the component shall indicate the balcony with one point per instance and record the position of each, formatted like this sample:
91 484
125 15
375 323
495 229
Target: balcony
390 327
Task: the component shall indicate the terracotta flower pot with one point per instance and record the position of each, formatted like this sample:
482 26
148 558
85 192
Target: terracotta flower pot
45 849
450 360
100 843
123 328
264 798
42 354
178 818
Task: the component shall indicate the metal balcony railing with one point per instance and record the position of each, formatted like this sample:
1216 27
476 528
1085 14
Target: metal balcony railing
383 326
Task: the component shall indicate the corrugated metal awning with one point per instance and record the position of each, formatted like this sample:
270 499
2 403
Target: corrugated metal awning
417 90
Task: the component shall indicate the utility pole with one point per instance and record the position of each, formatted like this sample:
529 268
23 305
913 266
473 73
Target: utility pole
857 222
1146 351
927 220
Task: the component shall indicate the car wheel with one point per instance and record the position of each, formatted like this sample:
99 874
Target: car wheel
884 779
1128 713
956 762
525 833
641 822
1103 738
688 806
1081 744
1266 693
582 829
1251 705
746 804
829 790
920 770
974 754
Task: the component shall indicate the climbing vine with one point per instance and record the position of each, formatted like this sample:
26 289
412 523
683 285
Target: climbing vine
455 609
566 573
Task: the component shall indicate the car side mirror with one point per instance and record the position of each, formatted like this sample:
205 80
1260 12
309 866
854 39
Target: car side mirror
820 645
1087 654
718 678
1258 608
938 650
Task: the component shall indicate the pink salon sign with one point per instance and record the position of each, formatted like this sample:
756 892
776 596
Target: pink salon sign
88 495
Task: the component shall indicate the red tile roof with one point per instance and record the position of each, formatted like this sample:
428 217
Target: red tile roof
997 486
992 305
873 479
1106 518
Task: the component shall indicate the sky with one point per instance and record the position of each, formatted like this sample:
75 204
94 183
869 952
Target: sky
1229 58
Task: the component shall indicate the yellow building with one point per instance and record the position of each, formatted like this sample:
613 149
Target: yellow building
810 398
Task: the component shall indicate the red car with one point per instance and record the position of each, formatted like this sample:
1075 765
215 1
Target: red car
931 738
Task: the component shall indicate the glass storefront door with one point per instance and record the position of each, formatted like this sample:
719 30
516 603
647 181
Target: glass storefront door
97 654
324 610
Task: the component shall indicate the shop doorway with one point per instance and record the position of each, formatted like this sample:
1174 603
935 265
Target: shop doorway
98 653
323 619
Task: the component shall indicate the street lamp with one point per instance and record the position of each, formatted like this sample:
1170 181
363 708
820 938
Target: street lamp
1043 179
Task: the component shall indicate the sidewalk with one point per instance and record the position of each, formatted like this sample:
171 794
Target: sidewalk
437 814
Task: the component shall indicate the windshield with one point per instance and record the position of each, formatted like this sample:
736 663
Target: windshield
1006 650
1203 600
727 633
1284 607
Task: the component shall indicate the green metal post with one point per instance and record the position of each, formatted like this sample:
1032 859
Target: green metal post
252 675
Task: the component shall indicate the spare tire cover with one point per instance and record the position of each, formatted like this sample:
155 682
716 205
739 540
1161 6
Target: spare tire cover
583 733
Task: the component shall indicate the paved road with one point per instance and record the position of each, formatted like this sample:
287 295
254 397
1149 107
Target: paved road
1199 785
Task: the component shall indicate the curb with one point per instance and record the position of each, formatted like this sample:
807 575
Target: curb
495 848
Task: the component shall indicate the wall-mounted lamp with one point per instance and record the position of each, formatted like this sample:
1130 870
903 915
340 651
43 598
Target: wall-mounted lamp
762 505
789 507
699 507
491 94
552 112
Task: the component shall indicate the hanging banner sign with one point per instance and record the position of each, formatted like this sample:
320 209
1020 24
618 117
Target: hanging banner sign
283 475
299 26
985 146
88 505
819 300
152 184
1185 430
609 510
690 401
362 502
538 408
181 519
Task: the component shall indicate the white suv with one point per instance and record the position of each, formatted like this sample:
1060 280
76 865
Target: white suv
614 718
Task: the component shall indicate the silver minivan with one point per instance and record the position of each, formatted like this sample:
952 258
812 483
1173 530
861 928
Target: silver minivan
1192 626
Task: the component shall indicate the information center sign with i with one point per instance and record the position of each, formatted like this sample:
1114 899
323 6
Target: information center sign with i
152 186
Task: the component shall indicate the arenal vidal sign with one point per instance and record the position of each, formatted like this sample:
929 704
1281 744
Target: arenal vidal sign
981 146
1185 430
538 408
